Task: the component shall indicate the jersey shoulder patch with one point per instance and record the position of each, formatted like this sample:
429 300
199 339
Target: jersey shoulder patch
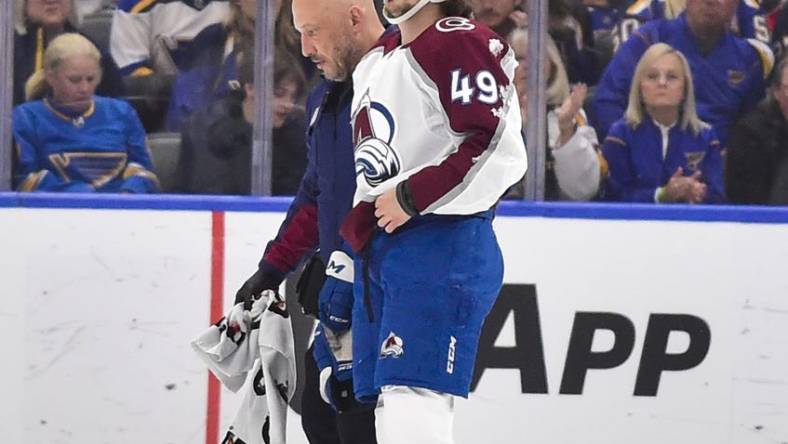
460 38
766 55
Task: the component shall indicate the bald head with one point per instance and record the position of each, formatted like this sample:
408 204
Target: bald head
335 34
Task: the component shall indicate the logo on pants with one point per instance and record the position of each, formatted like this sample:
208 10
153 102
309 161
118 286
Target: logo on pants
392 346
452 351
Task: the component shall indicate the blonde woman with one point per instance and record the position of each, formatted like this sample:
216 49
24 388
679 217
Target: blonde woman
660 151
69 139
573 165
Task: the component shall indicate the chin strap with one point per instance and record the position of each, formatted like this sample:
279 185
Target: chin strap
415 9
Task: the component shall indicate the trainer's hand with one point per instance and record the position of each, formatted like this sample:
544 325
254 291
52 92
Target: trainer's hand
388 211
251 289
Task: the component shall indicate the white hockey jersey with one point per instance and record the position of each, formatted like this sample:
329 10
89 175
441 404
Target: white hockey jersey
146 34
264 359
440 112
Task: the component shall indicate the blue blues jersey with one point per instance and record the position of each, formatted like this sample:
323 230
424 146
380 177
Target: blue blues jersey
151 35
102 149
729 81
603 19
637 166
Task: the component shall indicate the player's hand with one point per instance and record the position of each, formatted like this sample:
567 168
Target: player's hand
334 357
335 303
388 211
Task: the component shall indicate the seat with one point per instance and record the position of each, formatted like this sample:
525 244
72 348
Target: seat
165 149
97 27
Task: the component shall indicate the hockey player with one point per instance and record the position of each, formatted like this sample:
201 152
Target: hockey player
335 34
437 131
730 73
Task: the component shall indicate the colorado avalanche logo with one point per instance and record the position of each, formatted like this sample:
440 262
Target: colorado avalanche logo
392 346
373 131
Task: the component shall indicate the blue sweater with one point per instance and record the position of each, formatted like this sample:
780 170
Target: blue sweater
102 149
637 168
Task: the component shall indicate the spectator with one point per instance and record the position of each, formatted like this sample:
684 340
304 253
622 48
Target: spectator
149 36
750 21
502 16
602 18
216 154
758 148
660 151
38 22
572 163
209 70
780 35
730 72
570 26
89 7
72 140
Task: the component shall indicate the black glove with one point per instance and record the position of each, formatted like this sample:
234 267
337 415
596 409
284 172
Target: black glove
260 281
309 285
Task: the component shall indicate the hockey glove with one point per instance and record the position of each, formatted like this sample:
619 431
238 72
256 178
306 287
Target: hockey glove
333 354
336 297
265 278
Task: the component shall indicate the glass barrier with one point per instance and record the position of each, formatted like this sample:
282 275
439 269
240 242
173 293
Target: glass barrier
164 99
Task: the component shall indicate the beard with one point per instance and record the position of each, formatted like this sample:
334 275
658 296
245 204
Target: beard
345 57
397 12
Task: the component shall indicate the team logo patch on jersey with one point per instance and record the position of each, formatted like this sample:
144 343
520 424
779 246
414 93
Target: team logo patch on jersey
496 47
392 346
373 131
694 158
735 77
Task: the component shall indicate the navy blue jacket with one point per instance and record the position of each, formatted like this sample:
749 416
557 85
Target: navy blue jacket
326 192
637 166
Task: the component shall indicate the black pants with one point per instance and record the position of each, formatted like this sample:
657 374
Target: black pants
322 424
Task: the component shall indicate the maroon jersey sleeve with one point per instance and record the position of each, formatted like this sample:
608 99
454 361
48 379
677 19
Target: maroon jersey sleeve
463 59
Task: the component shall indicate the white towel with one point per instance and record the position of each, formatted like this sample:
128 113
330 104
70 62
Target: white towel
266 350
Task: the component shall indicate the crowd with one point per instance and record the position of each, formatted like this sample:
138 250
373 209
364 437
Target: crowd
700 121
